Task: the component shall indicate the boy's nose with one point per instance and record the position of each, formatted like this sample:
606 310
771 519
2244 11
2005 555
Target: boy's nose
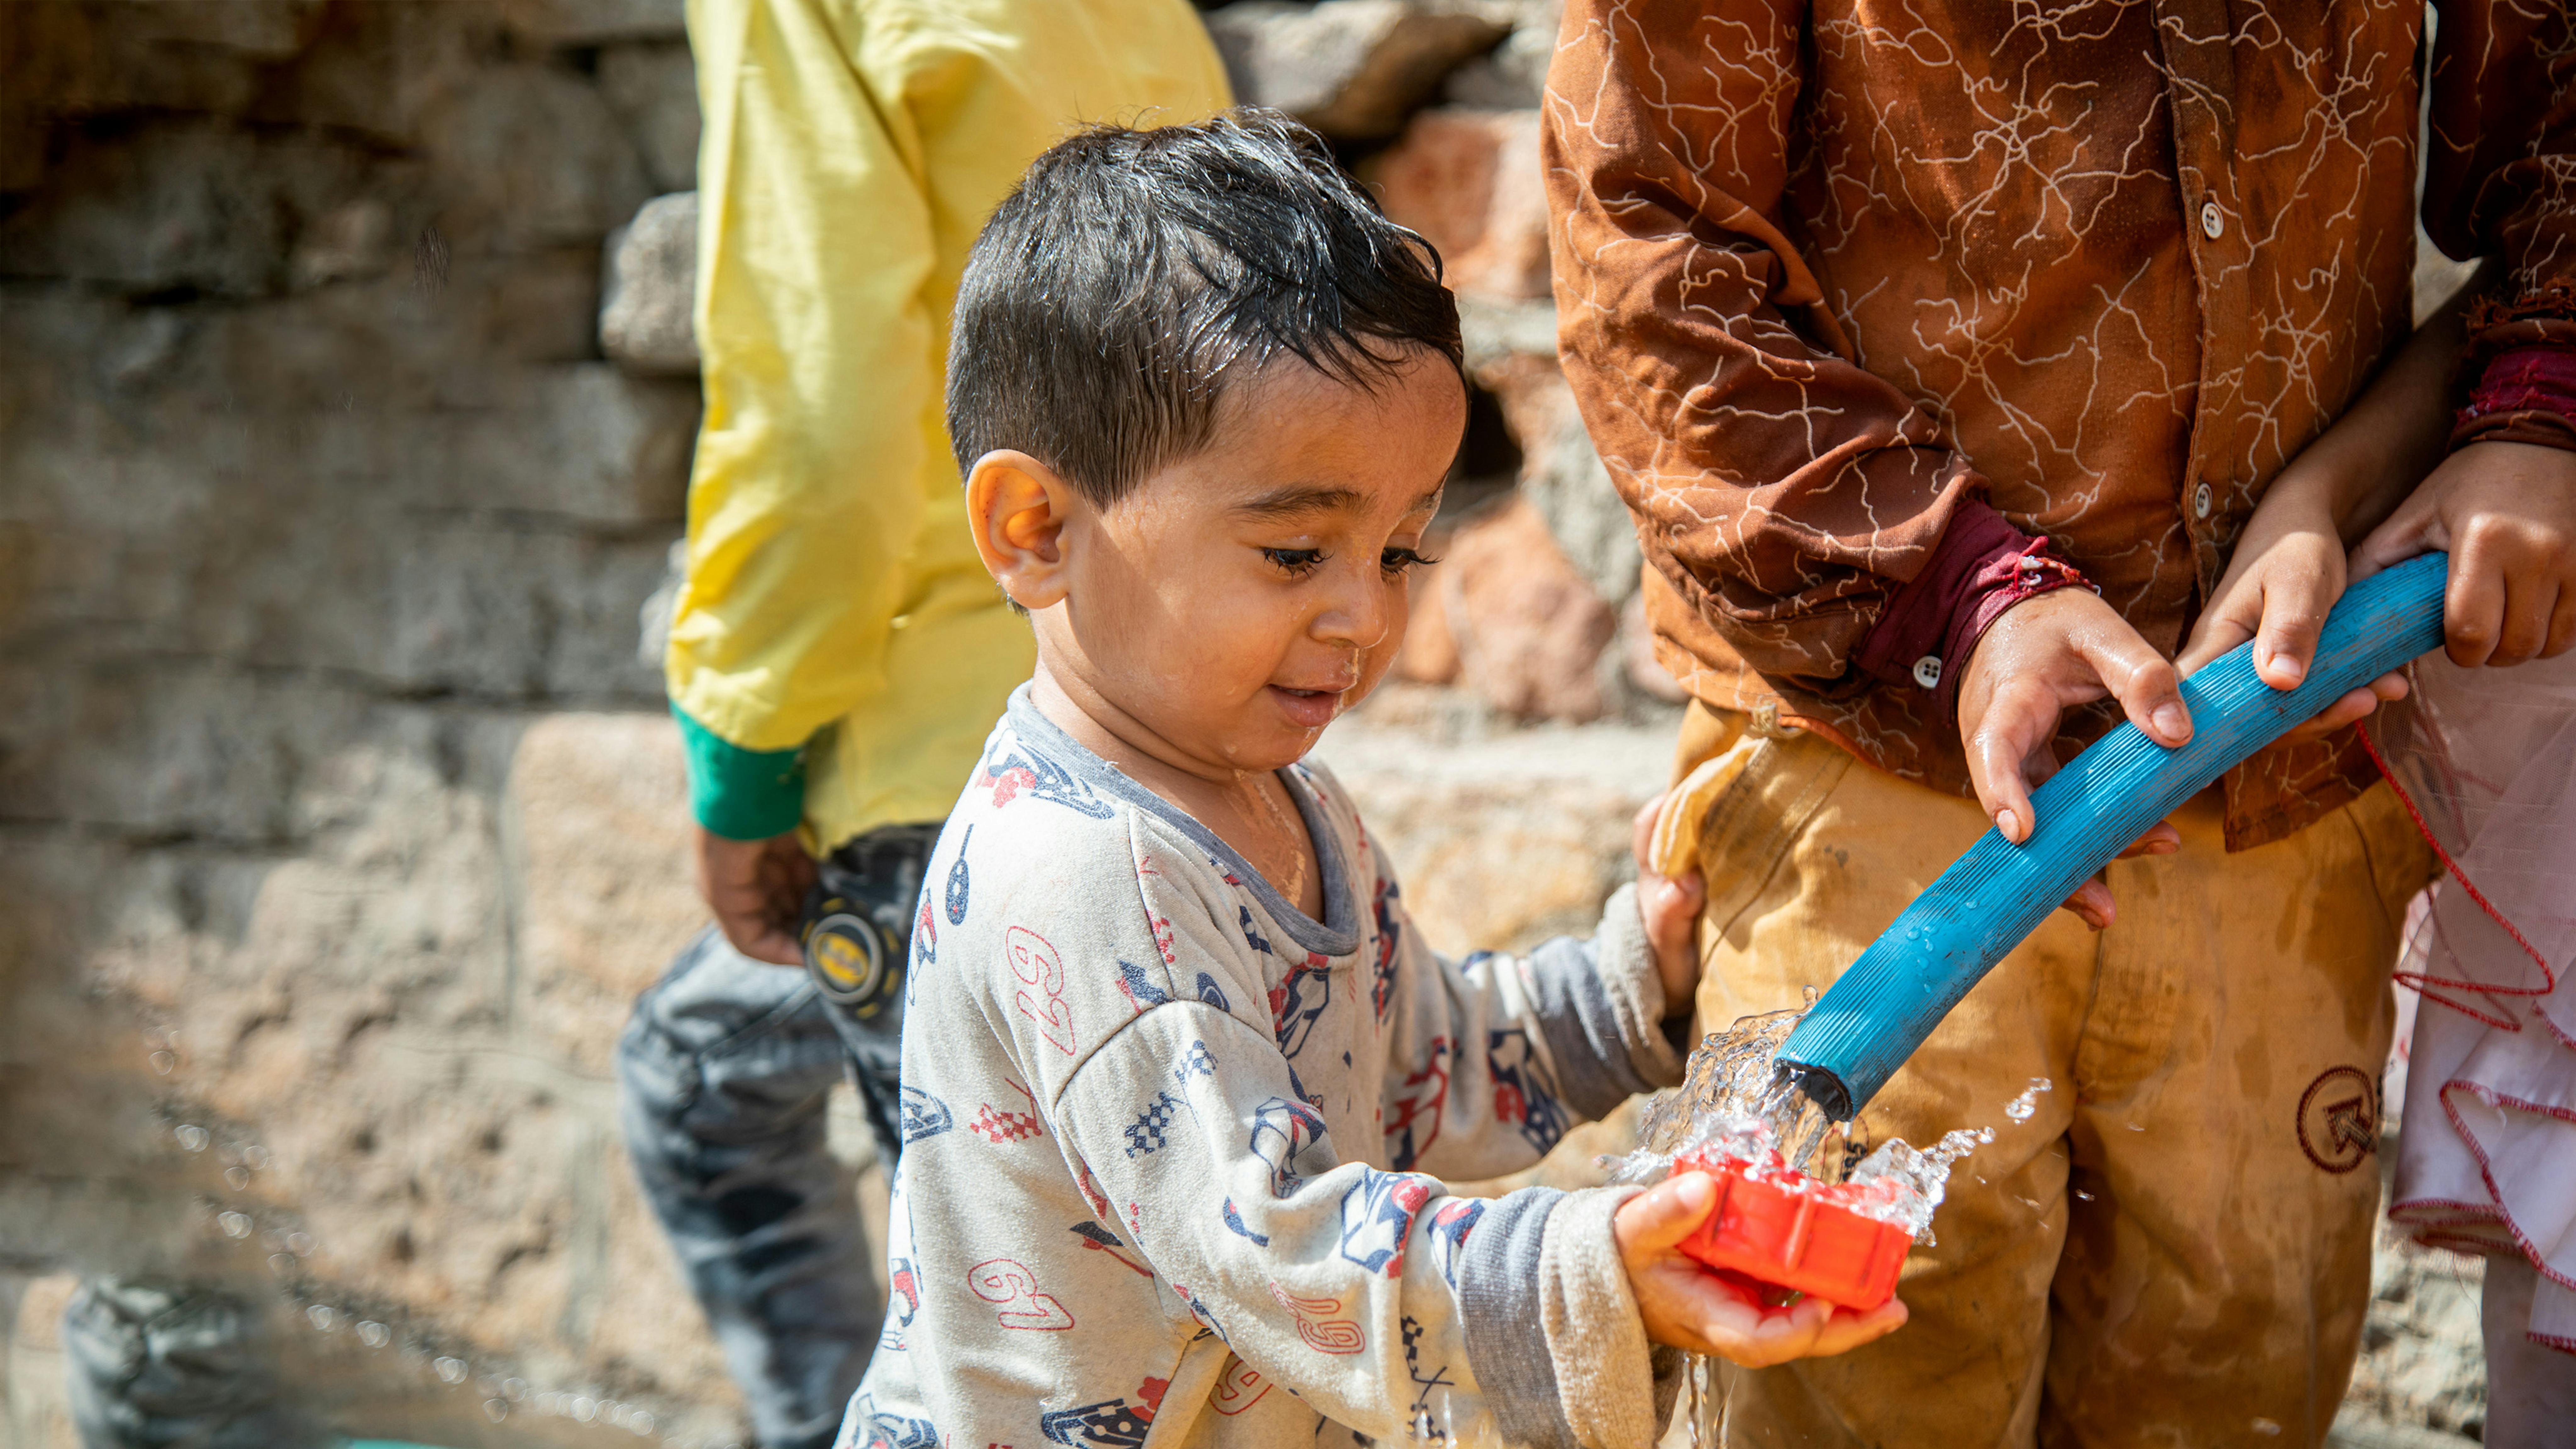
1358 616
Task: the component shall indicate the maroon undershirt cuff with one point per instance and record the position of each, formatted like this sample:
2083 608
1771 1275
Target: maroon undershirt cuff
2525 395
2521 368
1981 567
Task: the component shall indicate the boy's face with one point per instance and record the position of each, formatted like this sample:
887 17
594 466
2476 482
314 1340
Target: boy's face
1238 599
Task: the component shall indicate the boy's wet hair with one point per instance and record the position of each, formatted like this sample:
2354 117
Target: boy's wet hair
1133 277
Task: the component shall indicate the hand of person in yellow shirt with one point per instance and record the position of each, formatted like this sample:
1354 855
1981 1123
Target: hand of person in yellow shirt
757 890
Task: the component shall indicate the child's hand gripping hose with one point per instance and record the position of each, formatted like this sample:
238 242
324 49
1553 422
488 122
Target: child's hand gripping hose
1881 1009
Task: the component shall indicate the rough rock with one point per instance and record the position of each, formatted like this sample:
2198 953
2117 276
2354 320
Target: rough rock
1530 630
1351 69
1511 352
1513 75
178 204
549 163
582 23
653 88
1469 182
652 267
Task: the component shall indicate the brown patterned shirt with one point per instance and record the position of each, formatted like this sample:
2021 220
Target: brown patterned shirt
1827 274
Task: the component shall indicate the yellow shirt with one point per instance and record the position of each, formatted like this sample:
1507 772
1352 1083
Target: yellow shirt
834 602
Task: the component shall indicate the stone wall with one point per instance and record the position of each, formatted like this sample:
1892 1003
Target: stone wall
321 512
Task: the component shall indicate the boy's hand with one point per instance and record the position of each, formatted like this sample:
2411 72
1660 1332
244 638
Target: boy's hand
2286 574
1670 905
1689 1307
2507 514
2044 654
757 890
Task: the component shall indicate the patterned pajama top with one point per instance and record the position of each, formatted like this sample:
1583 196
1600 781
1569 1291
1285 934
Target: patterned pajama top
1173 1149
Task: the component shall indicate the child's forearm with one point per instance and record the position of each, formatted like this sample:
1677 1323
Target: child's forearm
2360 469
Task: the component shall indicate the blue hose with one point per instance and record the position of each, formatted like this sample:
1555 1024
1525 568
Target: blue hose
1983 905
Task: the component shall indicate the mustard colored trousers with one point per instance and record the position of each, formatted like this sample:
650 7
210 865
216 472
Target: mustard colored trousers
2173 1249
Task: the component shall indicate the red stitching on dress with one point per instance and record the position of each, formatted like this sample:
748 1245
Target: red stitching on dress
2466 884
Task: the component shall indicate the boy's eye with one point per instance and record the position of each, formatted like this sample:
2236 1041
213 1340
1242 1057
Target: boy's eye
1395 560
1294 560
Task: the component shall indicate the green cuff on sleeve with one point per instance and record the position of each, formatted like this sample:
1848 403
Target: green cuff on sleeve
737 793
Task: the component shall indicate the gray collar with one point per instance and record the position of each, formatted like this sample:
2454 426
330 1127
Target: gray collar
1336 935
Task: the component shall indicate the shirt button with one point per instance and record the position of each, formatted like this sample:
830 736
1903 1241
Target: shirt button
2213 222
2200 501
1927 671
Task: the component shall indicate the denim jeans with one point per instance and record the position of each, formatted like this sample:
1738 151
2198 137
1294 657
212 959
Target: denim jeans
170 1366
723 1073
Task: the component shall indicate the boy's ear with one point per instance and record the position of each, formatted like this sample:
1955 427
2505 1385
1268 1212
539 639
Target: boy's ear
1018 508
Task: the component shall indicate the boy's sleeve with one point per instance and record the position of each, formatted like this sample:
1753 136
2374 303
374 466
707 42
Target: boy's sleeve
1492 1058
814 248
1387 1304
1782 490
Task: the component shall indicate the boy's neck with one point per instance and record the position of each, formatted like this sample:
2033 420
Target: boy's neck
1243 807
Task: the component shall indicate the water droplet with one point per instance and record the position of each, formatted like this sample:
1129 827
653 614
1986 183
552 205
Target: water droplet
235 1225
2266 1426
194 1137
585 1408
238 1177
2021 1108
496 1409
450 1370
2082 1196
514 1390
162 1062
300 1244
611 1411
375 1335
2135 1127
255 1157
322 1316
641 1422
281 1263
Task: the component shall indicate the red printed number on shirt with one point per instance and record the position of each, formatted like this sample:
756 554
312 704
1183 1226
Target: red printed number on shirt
1237 1387
999 1280
1037 965
1323 1333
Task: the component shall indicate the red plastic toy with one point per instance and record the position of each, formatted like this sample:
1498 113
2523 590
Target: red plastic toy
1779 1226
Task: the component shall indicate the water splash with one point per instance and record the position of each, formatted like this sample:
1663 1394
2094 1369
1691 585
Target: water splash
1736 1094
2021 1108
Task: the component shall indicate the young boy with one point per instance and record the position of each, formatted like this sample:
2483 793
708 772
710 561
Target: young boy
1177 1071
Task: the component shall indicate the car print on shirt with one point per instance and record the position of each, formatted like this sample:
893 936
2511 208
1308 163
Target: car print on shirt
1377 1217
1449 1229
891 1431
1012 769
1524 1094
1282 1130
1111 1422
1297 1002
921 1115
1419 1105
1390 935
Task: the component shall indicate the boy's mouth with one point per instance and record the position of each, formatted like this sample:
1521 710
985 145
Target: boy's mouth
1308 708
